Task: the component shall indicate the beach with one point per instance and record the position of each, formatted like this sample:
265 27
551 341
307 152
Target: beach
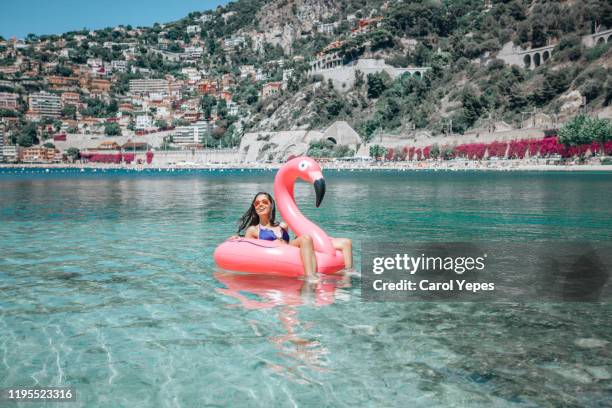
445 165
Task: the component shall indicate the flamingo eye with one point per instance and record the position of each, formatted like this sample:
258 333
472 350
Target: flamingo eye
303 165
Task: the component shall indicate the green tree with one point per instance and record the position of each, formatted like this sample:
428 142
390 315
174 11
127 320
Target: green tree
69 111
376 84
434 152
112 129
28 136
207 102
73 153
377 151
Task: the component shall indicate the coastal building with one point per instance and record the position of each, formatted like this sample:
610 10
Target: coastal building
45 104
327 28
230 43
247 71
143 122
189 136
208 86
271 88
193 29
205 18
1 146
227 81
10 153
192 74
146 86
8 100
119 65
192 52
38 154
108 145
70 98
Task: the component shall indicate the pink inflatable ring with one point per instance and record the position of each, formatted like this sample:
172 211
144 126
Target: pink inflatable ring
277 258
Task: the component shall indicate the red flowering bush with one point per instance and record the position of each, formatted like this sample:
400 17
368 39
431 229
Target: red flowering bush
497 149
550 146
517 149
128 157
411 153
149 157
534 147
426 152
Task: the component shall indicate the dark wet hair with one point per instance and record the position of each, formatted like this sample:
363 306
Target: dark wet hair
250 217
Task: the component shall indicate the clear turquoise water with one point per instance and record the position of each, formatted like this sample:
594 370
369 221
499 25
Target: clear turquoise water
107 284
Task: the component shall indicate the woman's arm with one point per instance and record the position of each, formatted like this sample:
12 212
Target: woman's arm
252 232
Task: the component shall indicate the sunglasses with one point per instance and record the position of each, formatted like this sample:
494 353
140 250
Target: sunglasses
265 201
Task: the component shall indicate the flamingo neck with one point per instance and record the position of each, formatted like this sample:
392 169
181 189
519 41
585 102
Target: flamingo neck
285 201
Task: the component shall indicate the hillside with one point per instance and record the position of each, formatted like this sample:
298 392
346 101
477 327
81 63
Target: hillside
394 67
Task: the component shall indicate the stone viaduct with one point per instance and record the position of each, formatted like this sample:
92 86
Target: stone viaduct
532 58
331 67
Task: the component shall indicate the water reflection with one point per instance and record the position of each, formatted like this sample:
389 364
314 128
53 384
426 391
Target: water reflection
295 345
266 292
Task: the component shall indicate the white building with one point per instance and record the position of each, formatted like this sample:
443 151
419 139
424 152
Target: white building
45 104
246 71
260 75
8 100
193 29
230 43
193 52
119 65
327 28
147 86
143 122
192 74
192 134
10 153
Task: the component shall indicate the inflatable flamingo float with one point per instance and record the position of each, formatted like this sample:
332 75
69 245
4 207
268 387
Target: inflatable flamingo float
277 258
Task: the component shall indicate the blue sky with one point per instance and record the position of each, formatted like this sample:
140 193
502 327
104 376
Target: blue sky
18 18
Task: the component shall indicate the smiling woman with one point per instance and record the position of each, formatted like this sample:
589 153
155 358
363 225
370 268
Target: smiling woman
18 19
268 249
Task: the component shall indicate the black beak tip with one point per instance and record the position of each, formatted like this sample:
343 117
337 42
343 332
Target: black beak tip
319 186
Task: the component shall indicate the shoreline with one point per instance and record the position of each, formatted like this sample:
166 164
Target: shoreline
507 165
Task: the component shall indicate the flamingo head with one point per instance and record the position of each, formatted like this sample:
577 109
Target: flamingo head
309 170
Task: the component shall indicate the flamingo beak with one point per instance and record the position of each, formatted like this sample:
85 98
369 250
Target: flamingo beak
319 186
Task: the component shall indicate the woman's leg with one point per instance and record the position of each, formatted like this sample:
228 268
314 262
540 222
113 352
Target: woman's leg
346 246
307 254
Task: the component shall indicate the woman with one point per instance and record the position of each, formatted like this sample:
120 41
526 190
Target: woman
259 223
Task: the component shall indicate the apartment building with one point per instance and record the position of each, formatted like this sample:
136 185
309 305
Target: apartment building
8 100
37 154
45 104
70 98
147 86
191 135
10 153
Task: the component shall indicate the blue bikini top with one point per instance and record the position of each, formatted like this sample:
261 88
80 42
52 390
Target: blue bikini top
270 235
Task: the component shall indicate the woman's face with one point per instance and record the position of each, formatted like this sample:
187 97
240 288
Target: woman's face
262 205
